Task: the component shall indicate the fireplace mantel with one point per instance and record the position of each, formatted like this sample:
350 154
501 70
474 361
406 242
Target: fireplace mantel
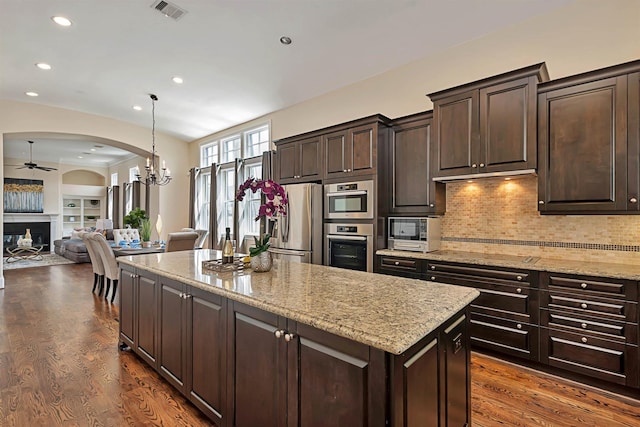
34 217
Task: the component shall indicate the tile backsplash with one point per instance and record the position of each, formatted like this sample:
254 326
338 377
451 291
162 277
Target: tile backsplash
498 216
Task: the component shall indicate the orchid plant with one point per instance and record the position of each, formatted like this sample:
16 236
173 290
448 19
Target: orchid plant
276 200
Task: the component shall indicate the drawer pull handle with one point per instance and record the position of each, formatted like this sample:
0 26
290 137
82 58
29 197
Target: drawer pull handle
519 277
519 326
584 325
433 277
397 263
519 290
584 340
583 305
583 285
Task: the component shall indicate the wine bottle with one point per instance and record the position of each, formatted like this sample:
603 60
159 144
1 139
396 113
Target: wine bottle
227 248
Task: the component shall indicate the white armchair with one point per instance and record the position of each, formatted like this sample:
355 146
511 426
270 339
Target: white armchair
126 234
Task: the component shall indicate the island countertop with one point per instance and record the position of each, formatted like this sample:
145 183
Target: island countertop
385 312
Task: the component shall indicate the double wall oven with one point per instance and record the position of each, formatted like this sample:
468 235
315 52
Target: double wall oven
348 228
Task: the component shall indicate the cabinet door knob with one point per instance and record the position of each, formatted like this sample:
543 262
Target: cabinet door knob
278 333
633 200
344 170
519 290
583 325
433 278
397 263
431 205
181 295
584 339
433 267
348 170
288 337
481 165
519 277
541 202
583 305
474 165
187 296
519 326
583 285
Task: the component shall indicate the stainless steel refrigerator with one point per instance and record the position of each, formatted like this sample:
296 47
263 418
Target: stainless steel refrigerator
297 236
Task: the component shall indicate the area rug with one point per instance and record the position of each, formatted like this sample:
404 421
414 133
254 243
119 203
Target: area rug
47 260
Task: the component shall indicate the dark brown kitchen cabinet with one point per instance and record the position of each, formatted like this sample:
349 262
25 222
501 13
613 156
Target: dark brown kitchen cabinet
588 142
488 126
412 191
311 378
352 151
504 318
139 312
399 266
589 325
192 355
299 160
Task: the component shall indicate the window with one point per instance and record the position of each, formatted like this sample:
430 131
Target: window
203 200
128 191
132 174
114 179
256 141
226 196
251 203
230 148
209 154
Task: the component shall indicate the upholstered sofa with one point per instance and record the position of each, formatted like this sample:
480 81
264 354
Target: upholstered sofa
73 247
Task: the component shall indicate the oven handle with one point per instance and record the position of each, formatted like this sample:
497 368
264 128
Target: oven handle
347 193
344 237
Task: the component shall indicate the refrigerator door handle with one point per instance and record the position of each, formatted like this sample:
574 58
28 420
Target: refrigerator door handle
284 231
287 252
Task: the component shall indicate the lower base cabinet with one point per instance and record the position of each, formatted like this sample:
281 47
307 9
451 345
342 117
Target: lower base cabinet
246 367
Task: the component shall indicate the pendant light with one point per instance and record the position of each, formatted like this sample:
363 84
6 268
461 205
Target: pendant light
154 175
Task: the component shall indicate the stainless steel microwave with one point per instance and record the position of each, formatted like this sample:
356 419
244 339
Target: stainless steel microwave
414 234
349 200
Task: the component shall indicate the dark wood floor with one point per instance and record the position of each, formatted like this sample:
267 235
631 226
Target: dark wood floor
59 365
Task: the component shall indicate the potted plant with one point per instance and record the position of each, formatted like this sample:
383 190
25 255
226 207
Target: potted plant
276 200
145 232
134 217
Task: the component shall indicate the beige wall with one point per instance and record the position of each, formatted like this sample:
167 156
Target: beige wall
84 177
51 182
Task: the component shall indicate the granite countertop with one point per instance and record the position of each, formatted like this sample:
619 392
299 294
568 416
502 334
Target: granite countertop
599 269
385 312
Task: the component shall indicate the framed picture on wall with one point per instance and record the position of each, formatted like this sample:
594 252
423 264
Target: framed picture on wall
23 195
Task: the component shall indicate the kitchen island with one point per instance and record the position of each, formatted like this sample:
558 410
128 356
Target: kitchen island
301 345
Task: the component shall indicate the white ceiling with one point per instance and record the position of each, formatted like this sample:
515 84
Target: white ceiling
227 51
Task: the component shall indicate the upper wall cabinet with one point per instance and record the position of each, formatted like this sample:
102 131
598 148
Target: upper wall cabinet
589 142
488 126
354 151
411 190
299 160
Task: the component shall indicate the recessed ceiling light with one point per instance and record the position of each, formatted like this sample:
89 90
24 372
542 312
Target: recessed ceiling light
137 108
285 40
31 93
43 66
93 149
61 20
177 79
469 181
80 157
507 179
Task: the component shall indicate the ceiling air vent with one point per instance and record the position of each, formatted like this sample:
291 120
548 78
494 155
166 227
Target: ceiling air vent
169 10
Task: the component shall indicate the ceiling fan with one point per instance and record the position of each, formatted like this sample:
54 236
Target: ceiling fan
32 165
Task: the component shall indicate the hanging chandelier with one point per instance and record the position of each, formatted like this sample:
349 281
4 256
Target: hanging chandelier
154 175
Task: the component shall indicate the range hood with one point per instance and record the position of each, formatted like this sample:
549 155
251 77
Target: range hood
516 173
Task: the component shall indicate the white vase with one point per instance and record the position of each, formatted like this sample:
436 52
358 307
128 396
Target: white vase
261 262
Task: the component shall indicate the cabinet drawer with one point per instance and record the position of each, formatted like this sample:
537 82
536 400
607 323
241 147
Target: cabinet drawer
611 288
504 301
592 306
510 275
607 329
583 354
405 267
504 336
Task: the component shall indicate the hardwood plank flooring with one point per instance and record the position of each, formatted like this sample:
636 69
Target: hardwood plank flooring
60 365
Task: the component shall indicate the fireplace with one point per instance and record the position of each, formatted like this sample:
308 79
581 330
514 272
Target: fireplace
40 233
